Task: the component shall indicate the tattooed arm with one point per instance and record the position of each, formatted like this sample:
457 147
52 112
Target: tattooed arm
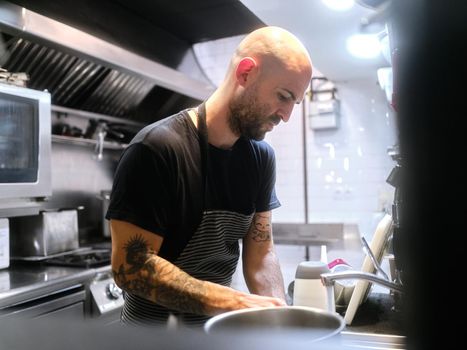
260 264
138 269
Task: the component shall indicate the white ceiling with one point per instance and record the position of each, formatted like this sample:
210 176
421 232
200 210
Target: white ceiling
324 32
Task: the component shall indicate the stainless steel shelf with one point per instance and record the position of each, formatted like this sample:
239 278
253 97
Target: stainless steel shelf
91 115
87 142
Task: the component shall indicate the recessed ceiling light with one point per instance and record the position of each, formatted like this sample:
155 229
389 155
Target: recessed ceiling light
364 46
339 5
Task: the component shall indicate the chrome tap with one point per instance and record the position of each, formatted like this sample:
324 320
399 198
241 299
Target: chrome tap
328 279
100 144
101 133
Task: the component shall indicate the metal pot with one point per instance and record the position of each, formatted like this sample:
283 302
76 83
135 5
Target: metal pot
120 132
53 231
300 322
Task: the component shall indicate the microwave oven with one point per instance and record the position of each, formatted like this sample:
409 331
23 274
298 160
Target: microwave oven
25 144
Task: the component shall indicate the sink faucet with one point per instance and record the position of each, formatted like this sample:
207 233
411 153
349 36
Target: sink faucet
328 279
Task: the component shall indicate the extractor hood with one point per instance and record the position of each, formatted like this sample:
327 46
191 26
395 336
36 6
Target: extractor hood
113 73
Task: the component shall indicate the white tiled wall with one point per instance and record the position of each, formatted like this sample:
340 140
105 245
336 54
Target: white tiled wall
347 167
287 141
214 56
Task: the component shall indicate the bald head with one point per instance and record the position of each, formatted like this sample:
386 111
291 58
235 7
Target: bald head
269 44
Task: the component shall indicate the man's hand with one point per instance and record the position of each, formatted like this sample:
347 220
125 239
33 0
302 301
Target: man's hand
253 300
228 299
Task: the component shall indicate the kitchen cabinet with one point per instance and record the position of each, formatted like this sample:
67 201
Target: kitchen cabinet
64 304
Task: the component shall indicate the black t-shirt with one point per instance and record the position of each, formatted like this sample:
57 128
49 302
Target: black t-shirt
158 183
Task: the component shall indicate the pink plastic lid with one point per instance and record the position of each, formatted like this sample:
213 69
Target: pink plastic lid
336 262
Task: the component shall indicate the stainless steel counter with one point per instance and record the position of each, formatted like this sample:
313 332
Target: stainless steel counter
26 281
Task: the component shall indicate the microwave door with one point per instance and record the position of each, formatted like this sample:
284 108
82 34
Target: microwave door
25 143
18 141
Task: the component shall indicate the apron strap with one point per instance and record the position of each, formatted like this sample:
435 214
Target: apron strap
203 146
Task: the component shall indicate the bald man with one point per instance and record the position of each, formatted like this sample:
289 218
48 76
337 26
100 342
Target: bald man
190 186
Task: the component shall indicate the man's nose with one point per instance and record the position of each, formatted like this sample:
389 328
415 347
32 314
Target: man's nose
285 114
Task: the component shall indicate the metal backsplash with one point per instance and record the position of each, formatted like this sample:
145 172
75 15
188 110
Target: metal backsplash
77 180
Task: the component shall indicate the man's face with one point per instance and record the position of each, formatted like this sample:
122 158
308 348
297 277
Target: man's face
251 118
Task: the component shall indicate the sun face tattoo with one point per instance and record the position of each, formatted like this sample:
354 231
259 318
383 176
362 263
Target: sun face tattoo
137 254
261 231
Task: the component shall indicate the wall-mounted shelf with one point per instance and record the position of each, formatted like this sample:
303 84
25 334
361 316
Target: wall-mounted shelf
87 142
91 115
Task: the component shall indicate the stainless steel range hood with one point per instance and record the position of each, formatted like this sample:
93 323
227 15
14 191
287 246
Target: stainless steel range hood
84 72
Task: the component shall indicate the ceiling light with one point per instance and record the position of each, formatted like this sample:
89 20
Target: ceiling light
339 5
364 46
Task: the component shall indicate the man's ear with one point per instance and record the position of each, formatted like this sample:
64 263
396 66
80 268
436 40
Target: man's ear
244 68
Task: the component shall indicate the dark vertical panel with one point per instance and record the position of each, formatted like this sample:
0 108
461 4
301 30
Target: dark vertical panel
431 116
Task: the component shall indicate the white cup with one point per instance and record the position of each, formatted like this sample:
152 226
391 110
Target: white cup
308 288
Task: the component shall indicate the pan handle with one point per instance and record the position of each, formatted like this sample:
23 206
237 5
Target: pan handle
80 207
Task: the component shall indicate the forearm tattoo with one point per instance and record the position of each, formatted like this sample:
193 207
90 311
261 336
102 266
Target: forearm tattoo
261 229
154 278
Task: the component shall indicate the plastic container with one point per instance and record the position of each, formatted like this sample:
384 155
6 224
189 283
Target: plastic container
308 288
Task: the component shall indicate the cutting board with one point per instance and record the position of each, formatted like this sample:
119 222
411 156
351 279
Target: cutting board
377 246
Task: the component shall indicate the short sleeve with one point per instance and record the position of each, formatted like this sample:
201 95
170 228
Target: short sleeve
141 190
267 199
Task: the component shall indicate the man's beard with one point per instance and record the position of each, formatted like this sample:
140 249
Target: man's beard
248 118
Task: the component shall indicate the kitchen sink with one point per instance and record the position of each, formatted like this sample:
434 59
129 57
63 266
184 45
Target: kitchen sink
372 341
376 325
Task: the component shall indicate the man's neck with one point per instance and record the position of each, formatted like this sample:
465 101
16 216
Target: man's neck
219 133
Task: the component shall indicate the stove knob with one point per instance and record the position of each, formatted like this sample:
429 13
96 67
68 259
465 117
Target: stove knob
112 291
